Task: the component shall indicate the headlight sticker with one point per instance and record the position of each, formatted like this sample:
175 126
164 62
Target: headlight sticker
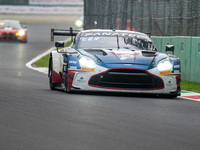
165 72
87 69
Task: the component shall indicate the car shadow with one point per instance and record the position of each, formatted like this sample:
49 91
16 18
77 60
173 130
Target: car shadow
123 94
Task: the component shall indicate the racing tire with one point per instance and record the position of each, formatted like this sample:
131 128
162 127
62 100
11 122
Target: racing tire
67 90
50 74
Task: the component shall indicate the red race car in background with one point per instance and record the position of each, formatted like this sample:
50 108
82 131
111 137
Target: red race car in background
12 30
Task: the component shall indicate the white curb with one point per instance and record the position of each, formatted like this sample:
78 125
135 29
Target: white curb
40 69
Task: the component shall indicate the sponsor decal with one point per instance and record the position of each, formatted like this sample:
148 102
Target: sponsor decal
125 55
73 67
87 69
176 71
176 66
72 62
127 64
106 34
64 68
81 80
165 72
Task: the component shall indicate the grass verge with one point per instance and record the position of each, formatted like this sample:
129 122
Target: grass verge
190 86
44 61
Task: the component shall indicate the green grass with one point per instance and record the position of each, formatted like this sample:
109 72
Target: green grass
190 86
44 61
185 85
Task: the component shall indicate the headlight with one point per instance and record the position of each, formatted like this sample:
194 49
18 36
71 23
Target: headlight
164 65
79 23
20 33
86 62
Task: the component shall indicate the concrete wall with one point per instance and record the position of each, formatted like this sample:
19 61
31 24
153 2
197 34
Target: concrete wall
188 50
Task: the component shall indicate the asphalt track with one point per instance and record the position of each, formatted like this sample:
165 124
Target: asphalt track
32 117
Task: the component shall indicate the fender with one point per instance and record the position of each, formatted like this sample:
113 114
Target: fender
57 62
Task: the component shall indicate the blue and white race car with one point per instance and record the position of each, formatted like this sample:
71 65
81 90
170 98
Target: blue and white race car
113 61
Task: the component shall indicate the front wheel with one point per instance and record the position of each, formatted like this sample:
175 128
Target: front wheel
67 87
51 84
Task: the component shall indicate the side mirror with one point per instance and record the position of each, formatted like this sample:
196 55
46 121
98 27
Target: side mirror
24 26
59 44
169 48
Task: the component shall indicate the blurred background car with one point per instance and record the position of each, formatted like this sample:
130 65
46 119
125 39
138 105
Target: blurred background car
13 30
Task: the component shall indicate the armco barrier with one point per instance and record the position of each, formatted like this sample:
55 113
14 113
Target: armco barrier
188 50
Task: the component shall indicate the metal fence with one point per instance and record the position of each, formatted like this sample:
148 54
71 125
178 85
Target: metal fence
158 17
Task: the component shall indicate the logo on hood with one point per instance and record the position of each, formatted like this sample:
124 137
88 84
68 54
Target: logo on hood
125 54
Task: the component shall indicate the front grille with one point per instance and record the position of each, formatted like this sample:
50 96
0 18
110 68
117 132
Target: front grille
4 36
127 79
11 36
8 36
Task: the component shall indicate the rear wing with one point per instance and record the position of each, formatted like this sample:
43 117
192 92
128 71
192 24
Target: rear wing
61 32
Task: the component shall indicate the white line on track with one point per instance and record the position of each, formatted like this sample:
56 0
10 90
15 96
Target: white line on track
40 69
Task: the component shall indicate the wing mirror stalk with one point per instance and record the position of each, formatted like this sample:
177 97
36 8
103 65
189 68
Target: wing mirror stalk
169 48
59 44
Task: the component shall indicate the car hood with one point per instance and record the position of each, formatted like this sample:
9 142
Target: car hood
125 56
8 30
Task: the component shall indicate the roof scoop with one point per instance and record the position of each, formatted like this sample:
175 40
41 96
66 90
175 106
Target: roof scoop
148 53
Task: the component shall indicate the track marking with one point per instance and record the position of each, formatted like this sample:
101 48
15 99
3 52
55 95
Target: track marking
190 95
40 69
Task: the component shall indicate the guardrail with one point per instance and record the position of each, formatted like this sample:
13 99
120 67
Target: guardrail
187 48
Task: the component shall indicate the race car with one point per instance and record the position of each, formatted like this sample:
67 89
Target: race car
113 61
12 30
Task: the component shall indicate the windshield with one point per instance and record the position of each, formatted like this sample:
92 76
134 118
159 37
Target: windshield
10 24
110 42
